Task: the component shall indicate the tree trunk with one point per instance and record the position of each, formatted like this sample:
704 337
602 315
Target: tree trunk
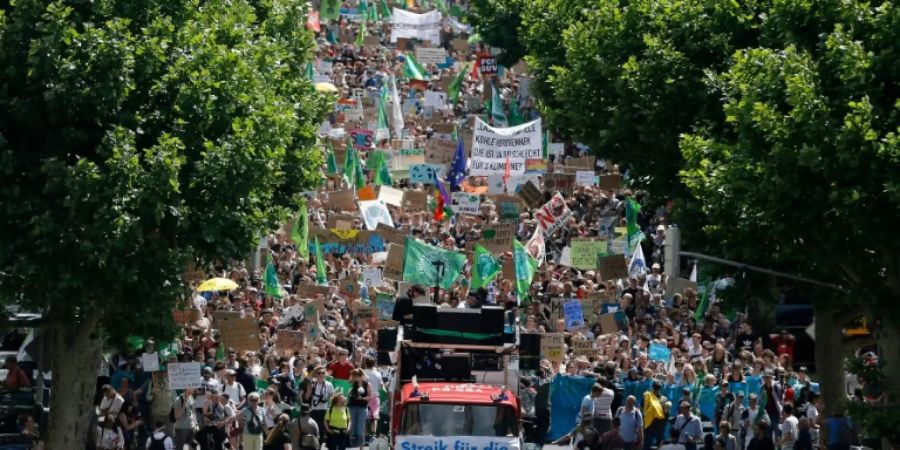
889 351
829 357
75 353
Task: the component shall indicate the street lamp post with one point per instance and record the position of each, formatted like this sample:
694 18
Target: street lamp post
438 275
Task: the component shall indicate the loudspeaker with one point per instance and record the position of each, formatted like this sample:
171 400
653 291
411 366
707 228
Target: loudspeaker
491 320
384 358
387 339
425 316
529 351
463 320
456 366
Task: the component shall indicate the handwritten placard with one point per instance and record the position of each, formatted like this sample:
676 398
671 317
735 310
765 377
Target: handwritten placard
582 347
150 362
613 267
393 264
238 331
290 341
184 375
553 346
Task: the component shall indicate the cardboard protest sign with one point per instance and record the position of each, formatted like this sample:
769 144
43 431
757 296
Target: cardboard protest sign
343 200
439 151
237 332
341 221
532 196
385 304
415 200
460 45
561 182
184 375
349 287
613 267
390 196
608 324
492 148
583 162
497 238
585 178
374 213
611 182
390 234
372 278
585 252
678 285
346 241
307 290
553 346
371 41
465 203
573 314
363 313
290 341
553 214
582 347
393 264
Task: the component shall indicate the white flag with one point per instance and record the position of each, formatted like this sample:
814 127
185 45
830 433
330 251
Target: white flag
638 264
694 273
396 111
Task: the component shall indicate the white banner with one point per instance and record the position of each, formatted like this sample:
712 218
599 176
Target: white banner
375 212
424 27
456 443
492 146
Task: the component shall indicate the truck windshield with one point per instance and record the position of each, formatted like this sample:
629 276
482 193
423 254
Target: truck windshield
437 419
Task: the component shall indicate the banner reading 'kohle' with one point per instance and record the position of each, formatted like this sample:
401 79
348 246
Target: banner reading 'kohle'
492 146
424 27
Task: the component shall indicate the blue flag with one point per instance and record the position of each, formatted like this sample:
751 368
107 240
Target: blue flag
457 166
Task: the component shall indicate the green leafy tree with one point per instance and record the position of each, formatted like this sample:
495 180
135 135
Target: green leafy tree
809 162
136 137
627 78
497 22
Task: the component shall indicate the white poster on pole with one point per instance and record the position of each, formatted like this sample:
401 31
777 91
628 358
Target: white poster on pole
424 27
491 147
375 212
184 375
466 203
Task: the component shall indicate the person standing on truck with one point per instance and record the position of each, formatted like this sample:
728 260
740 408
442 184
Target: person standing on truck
16 378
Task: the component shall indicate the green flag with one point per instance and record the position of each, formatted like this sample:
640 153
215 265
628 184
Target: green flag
382 129
456 83
632 209
525 265
273 286
412 69
300 231
419 267
515 116
363 7
484 267
383 175
385 9
330 9
497 112
361 35
321 273
359 178
350 162
331 161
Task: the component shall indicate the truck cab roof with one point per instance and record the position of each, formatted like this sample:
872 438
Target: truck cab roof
458 393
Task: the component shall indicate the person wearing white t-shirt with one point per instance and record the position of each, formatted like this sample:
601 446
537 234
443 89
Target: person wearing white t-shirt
789 428
601 418
235 390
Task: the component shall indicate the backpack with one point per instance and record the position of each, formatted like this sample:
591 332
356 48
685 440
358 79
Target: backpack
157 444
254 426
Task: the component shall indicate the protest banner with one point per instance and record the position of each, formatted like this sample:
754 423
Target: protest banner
390 196
497 238
585 252
290 341
431 55
393 264
184 375
439 151
553 346
612 267
583 162
582 347
408 25
346 241
553 214
465 203
238 331
585 178
150 362
532 196
573 314
414 200
375 212
561 182
611 182
659 352
372 278
341 221
492 147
